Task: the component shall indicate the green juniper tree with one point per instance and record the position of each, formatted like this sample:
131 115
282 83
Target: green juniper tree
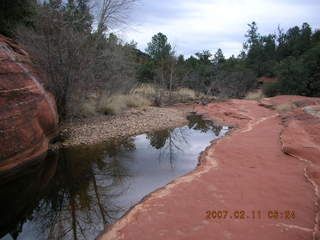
14 13
162 54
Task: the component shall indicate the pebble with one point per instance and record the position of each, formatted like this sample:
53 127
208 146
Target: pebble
93 131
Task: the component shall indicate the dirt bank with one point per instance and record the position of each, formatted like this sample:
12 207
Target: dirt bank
263 178
132 122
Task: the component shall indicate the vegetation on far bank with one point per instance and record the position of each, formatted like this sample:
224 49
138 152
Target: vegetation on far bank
92 71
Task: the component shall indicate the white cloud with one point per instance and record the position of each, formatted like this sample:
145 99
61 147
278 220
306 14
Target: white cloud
196 25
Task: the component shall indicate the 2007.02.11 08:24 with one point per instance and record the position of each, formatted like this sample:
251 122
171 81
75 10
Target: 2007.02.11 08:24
254 214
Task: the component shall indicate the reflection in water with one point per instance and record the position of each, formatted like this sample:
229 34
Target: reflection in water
19 198
196 122
77 204
168 142
73 194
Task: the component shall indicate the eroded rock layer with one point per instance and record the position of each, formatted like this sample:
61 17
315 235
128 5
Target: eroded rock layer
28 117
266 170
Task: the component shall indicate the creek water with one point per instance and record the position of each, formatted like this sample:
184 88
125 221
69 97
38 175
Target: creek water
76 192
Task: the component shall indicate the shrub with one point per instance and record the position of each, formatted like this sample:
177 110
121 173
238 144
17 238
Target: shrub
76 59
301 75
87 109
186 93
14 13
137 101
233 83
118 103
145 89
112 105
285 107
161 96
256 95
271 89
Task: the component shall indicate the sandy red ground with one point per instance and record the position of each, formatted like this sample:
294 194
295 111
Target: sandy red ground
268 163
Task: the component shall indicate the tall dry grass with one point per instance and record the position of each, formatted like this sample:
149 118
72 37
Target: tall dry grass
145 89
255 95
153 92
119 103
286 107
186 93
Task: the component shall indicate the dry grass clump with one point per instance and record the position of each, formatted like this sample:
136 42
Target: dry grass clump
145 89
186 93
285 107
112 105
119 103
87 109
152 92
255 95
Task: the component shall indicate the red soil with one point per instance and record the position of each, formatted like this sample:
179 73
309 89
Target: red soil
269 162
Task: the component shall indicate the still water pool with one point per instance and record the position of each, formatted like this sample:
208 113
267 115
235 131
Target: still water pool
76 192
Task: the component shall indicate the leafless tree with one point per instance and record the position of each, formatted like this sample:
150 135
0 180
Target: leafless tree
79 63
112 12
232 84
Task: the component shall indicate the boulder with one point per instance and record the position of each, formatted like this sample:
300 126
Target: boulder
28 115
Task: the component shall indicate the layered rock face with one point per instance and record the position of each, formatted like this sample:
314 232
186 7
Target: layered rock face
269 163
28 116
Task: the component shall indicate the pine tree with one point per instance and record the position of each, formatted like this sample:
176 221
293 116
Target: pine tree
77 13
219 57
14 13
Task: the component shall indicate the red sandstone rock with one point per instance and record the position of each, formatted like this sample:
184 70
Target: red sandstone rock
249 170
291 99
301 139
28 117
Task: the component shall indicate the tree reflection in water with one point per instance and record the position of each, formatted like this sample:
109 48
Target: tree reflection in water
197 122
19 197
77 192
169 141
78 204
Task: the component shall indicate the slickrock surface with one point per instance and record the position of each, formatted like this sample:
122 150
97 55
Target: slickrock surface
269 162
28 117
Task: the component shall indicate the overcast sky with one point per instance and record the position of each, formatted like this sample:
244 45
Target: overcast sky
196 25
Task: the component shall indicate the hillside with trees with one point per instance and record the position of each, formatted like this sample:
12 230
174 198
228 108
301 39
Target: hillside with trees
291 57
86 63
102 138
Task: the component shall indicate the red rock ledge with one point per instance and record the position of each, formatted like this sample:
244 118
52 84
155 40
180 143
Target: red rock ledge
270 162
28 117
